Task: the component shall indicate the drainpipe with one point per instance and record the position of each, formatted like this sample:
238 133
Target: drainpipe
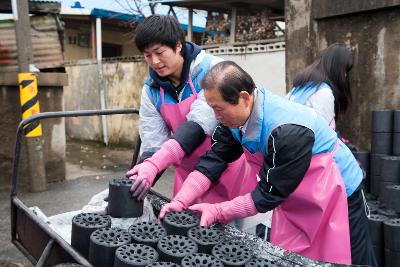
93 38
190 25
99 57
233 26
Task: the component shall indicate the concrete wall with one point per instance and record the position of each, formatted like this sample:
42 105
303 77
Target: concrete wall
370 29
266 67
50 99
122 82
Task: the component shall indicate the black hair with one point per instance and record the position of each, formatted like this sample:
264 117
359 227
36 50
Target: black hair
159 29
333 67
229 79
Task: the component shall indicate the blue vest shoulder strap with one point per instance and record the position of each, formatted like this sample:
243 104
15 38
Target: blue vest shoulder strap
302 94
198 73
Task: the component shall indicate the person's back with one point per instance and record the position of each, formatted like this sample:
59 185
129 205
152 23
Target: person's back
281 110
324 85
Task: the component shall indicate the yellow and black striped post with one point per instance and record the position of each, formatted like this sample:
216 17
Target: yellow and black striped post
29 102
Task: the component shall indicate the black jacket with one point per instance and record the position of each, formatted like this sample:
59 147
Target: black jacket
288 158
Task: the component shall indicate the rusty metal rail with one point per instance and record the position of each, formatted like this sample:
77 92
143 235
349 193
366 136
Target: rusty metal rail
32 236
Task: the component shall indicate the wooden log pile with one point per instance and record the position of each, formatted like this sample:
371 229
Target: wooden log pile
218 29
252 27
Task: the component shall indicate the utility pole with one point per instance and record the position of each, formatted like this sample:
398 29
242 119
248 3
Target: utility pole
37 172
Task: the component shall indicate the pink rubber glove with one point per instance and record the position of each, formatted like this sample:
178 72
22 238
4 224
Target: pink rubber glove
224 212
144 174
195 185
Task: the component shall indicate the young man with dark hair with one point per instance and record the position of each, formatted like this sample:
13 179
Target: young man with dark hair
175 122
308 176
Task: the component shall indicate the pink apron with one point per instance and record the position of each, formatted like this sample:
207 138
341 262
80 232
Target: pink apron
234 180
313 220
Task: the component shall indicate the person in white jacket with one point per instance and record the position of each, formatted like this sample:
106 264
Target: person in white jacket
324 85
175 122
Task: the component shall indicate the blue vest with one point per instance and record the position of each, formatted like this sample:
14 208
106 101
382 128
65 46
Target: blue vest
300 94
271 111
198 74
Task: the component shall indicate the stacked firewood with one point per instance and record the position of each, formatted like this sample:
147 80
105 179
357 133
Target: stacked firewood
257 26
217 29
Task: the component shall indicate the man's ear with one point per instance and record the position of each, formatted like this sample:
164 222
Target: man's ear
178 47
246 97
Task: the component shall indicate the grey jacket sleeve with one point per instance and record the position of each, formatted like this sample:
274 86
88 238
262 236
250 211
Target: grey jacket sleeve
152 128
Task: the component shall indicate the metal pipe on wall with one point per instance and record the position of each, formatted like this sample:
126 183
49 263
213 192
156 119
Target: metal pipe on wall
233 25
190 25
99 57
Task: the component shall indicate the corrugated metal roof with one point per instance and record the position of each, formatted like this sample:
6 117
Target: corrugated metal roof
108 14
46 45
226 5
44 1
197 29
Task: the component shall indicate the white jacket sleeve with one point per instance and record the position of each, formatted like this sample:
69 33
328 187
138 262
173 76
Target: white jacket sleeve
202 114
152 128
200 111
323 102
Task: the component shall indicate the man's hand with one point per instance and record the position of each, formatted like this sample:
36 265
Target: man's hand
143 176
209 213
145 173
173 206
225 212
195 185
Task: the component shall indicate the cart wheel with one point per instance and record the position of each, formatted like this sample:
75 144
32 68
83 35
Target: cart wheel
83 225
135 255
179 223
205 237
232 253
201 260
174 248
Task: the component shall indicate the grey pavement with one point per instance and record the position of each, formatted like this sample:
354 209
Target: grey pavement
71 194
